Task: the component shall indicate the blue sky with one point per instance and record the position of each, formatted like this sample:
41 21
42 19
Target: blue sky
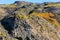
34 1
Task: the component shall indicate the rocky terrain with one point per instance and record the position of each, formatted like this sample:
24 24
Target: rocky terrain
30 21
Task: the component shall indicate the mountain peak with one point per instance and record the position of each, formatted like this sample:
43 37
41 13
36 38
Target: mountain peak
16 2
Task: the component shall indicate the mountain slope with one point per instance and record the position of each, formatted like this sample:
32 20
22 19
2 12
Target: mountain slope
30 21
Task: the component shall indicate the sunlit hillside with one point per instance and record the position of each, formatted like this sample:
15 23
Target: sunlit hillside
30 21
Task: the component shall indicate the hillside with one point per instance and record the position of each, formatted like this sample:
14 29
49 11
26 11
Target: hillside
30 21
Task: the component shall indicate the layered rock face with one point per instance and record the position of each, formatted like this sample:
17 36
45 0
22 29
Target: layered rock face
30 21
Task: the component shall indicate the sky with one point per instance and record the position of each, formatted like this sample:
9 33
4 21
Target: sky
34 1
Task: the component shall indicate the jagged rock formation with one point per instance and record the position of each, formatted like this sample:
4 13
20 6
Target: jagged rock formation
30 21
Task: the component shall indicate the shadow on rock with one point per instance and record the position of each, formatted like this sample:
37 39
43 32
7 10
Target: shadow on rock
8 23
